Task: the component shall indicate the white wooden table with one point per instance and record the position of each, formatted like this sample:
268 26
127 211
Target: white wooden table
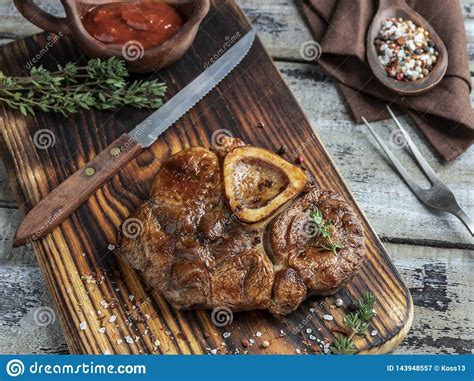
433 251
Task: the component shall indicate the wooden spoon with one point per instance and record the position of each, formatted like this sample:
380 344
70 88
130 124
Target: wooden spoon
399 8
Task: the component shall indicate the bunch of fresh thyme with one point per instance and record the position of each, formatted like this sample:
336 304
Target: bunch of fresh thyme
101 84
357 322
323 229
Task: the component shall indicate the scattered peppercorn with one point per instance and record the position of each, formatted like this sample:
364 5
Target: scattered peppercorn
282 150
265 344
245 343
260 125
299 159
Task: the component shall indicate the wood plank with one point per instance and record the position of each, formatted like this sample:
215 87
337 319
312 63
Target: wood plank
440 281
77 252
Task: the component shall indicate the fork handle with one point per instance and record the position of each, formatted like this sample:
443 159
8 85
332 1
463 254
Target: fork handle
464 218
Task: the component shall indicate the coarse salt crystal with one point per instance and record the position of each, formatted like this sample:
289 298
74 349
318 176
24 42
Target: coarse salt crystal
411 45
298 350
128 339
309 330
328 317
258 334
83 326
102 330
420 37
112 318
251 341
312 337
157 343
374 333
225 335
214 351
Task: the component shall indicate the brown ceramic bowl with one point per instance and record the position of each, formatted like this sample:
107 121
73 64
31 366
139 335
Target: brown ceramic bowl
138 60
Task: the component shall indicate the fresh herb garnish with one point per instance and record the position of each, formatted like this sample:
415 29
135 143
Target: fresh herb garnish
357 322
323 230
101 84
342 345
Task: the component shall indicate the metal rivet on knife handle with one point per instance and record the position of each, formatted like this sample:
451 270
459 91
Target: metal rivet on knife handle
115 151
89 171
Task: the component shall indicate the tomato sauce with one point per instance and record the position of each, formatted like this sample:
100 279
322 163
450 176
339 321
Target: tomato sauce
149 23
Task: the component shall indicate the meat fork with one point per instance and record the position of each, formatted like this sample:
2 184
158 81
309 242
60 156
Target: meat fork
439 196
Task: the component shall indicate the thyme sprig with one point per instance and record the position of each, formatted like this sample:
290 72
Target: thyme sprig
357 322
342 345
100 84
324 230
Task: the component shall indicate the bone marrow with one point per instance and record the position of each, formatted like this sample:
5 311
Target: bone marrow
257 182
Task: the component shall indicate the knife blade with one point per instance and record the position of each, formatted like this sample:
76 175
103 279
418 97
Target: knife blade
68 196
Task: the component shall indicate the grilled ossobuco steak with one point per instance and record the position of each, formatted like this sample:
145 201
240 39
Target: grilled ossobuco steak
239 227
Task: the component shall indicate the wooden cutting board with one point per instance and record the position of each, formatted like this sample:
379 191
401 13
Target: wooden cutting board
82 273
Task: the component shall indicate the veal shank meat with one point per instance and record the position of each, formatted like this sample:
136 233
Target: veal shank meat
232 228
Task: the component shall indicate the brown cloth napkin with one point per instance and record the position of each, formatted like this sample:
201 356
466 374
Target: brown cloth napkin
444 114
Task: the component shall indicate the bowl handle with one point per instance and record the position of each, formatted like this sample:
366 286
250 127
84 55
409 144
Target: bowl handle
40 18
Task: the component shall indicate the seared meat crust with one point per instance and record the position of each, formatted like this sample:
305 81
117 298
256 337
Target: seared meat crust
296 243
197 253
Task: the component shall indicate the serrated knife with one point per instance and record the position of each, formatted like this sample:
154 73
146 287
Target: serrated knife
67 197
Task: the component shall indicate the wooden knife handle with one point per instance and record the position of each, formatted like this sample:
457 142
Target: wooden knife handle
66 198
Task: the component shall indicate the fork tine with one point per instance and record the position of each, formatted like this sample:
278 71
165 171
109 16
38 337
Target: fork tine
418 156
400 168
